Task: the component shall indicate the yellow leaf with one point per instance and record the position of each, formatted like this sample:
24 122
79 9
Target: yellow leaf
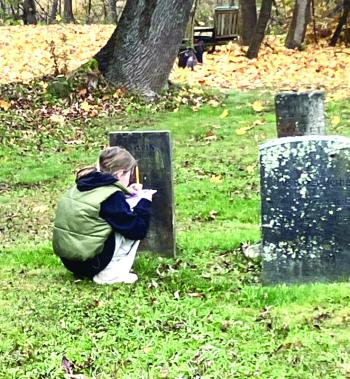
258 106
85 106
224 113
335 120
215 179
241 131
251 168
196 91
4 105
58 18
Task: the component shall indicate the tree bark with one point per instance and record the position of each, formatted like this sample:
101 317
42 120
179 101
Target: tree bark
248 21
112 15
189 31
29 12
259 31
3 7
68 11
297 28
54 10
141 51
88 12
341 23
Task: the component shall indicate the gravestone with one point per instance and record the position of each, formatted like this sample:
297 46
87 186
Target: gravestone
305 209
299 114
152 149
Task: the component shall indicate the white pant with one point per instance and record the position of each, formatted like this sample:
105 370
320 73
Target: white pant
120 265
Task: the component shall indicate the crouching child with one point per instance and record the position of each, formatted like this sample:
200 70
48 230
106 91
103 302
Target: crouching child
96 233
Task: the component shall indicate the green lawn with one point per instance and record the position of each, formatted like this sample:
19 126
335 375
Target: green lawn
201 315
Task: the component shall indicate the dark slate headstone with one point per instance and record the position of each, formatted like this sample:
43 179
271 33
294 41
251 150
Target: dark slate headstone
305 209
152 149
299 114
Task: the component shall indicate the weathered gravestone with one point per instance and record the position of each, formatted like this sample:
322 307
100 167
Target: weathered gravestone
299 114
152 149
305 209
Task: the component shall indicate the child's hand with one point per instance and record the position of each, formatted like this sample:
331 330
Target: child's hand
148 194
135 188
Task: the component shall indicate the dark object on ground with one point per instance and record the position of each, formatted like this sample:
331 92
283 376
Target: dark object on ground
189 58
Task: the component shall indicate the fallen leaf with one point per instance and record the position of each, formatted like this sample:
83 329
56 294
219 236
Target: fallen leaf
335 120
241 131
5 105
224 114
177 295
258 106
251 168
215 179
83 92
85 106
210 136
196 294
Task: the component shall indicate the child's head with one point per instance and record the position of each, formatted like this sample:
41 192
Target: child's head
118 162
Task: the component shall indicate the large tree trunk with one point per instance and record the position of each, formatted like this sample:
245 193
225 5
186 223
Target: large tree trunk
142 50
297 29
68 11
29 12
248 21
259 31
341 23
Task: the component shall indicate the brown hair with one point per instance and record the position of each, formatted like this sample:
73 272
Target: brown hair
111 160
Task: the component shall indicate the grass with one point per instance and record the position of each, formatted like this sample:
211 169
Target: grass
201 315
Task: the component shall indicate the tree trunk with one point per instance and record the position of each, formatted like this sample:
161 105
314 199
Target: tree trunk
112 16
189 31
297 28
141 52
88 12
29 12
341 23
248 21
68 11
53 11
3 7
259 31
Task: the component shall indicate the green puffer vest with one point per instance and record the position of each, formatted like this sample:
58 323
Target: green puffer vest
79 232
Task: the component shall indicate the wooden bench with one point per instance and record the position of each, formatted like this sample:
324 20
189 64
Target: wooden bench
225 28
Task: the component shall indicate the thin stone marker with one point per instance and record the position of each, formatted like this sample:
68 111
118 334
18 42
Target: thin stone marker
299 114
152 149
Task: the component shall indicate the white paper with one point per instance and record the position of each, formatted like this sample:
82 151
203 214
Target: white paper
134 199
